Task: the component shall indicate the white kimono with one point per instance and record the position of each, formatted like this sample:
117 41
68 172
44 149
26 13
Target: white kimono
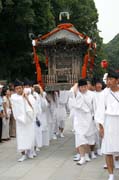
107 114
49 111
61 113
24 116
38 129
72 95
53 110
97 97
83 122
44 120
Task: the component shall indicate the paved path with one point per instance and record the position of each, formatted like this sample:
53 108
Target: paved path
53 163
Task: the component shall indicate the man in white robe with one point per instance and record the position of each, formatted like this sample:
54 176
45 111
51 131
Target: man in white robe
23 114
50 114
44 119
32 102
53 110
38 126
72 94
83 121
97 94
104 92
107 116
62 100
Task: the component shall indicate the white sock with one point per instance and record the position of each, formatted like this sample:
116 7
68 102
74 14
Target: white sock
111 176
83 158
92 152
87 155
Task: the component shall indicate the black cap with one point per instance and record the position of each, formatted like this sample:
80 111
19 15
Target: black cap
27 82
17 82
97 80
82 82
113 74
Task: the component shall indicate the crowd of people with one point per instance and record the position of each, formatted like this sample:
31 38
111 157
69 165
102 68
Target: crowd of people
7 121
40 117
32 115
95 113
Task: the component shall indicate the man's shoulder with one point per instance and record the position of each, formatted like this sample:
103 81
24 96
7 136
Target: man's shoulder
105 91
14 96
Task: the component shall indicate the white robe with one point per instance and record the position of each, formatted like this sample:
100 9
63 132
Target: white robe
24 116
72 96
49 115
44 120
53 110
84 126
61 113
97 96
108 115
38 129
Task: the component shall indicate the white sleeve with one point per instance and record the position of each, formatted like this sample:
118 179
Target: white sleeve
77 102
18 111
100 110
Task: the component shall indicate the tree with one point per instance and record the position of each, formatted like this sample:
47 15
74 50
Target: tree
0 6
17 19
112 51
83 14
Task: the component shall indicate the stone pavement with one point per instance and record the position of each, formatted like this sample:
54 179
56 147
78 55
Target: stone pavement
53 163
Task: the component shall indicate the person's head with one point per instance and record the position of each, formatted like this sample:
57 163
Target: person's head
98 85
113 79
36 88
27 86
6 92
18 85
107 82
82 85
19 90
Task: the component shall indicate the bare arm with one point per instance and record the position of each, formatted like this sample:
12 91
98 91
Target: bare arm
101 130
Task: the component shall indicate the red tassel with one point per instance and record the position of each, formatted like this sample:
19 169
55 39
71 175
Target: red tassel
86 57
84 71
38 68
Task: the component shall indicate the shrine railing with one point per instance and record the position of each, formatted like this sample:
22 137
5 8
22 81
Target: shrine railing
57 79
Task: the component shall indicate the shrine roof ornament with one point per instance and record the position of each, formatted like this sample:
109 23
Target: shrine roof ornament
63 32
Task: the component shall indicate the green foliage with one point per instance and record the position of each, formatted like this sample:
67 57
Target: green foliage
83 14
112 51
17 19
44 19
0 6
9 2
